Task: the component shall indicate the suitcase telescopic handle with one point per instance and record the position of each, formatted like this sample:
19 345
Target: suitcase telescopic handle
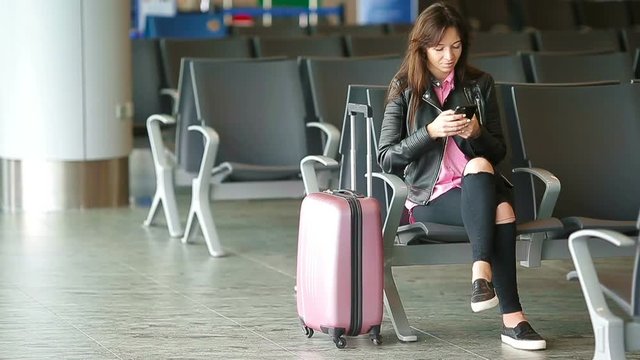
363 109
353 109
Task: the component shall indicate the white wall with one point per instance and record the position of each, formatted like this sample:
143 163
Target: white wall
65 74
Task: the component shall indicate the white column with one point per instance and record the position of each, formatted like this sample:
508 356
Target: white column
65 104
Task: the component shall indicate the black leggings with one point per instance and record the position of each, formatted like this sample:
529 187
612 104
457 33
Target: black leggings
474 207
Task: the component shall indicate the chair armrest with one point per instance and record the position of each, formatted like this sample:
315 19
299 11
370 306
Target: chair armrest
308 170
211 144
220 172
586 270
162 156
333 138
551 191
399 193
173 94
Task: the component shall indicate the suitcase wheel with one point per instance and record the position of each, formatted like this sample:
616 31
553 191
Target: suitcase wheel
374 335
377 340
340 342
307 331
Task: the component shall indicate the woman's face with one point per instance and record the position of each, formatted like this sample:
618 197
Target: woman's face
443 57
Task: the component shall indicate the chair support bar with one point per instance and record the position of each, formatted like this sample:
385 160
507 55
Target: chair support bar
609 330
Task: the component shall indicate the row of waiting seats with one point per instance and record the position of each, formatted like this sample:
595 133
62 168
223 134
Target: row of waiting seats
320 30
501 15
602 40
563 136
323 84
156 62
254 90
584 134
560 67
533 68
246 100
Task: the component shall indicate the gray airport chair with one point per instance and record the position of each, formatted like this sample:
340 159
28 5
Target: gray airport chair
567 68
280 30
587 137
330 46
257 109
188 144
630 38
147 80
613 335
604 14
528 192
578 40
438 244
515 158
329 79
326 82
328 29
488 15
173 50
503 68
546 14
392 44
484 42
433 244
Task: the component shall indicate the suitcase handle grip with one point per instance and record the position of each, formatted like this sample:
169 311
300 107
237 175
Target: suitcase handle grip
345 192
353 109
364 109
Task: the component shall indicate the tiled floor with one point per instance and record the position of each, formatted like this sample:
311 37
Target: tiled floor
95 284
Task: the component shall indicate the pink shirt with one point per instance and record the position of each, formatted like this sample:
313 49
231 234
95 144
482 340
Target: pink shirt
453 160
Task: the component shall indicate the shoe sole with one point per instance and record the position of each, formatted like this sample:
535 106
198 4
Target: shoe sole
484 305
524 344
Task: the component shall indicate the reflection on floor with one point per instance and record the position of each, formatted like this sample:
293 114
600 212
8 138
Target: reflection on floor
95 284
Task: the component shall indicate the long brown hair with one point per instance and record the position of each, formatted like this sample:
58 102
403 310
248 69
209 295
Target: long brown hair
427 32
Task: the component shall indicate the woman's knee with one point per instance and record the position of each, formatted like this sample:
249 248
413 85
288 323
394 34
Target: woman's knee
505 213
477 165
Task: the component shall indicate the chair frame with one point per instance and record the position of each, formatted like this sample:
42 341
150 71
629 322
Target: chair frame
530 246
613 336
200 208
256 189
164 165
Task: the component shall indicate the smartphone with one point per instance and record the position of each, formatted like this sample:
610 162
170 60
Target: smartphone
467 110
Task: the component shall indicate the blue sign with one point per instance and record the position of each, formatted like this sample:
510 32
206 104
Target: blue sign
198 25
387 11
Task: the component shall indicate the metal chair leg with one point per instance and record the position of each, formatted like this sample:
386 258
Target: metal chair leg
200 208
395 309
165 193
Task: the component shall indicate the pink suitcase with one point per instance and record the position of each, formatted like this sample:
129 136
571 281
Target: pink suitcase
340 258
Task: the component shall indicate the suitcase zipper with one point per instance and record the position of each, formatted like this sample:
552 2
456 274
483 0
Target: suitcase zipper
355 324
356 267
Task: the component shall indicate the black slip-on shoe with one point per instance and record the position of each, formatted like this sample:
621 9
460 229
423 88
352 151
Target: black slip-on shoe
483 296
523 337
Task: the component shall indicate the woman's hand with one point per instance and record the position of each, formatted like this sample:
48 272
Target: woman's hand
472 130
449 123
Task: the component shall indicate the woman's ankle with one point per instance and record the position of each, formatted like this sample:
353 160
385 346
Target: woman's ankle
481 270
512 319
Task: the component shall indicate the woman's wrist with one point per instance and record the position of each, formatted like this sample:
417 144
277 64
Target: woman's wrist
430 133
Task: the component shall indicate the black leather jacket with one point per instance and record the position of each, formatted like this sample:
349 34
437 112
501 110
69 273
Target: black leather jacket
413 154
